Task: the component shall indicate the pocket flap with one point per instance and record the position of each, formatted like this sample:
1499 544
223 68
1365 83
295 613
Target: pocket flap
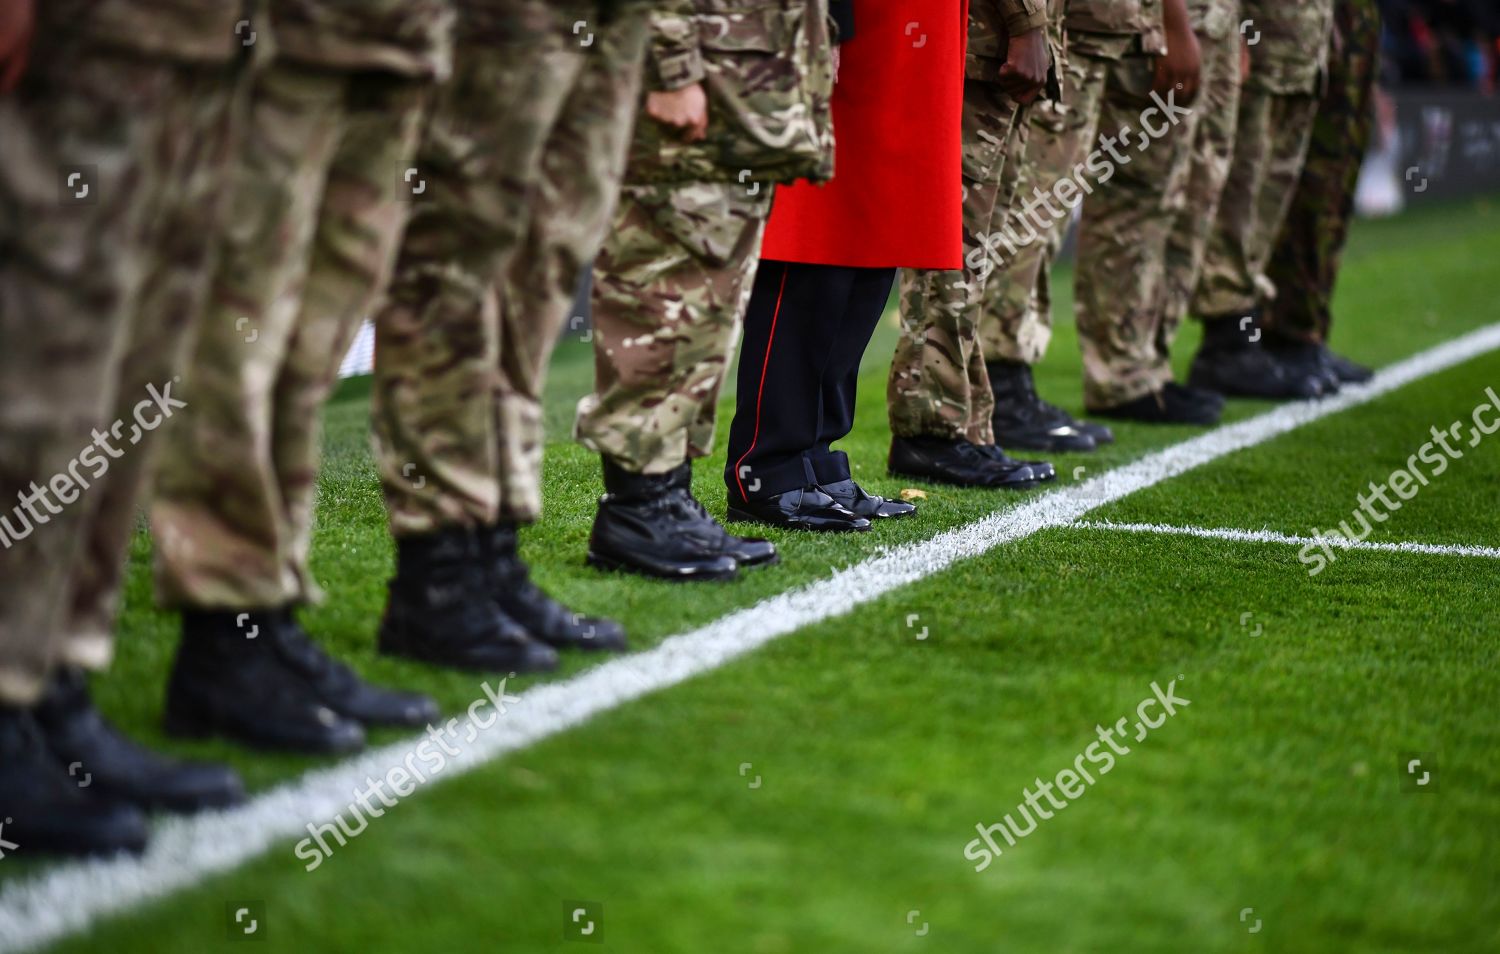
760 29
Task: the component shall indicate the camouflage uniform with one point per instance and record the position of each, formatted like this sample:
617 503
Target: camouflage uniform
674 277
318 202
522 163
937 374
101 282
1217 25
1305 263
1273 127
1016 318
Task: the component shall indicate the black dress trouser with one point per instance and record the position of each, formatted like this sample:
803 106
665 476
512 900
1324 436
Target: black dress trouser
806 329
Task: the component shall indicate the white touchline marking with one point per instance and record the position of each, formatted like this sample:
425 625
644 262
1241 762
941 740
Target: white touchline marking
69 897
1271 536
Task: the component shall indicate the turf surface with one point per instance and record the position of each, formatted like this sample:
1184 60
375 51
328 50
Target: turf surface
1278 789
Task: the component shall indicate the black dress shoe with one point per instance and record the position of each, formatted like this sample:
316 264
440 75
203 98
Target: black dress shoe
806 508
1345 370
543 617
441 609
340 689
110 764
1301 359
1233 361
229 679
1041 470
957 462
45 811
1022 419
1170 405
747 551
647 524
852 497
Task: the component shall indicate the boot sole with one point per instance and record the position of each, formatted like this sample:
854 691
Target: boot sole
609 564
209 727
518 666
740 516
928 478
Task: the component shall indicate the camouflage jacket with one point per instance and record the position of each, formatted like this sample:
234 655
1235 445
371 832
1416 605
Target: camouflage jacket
767 70
1214 18
405 37
1120 18
991 25
1289 48
193 31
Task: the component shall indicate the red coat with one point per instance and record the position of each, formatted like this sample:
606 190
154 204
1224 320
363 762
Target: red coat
896 199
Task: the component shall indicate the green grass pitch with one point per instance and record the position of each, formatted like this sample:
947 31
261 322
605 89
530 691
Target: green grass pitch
1272 813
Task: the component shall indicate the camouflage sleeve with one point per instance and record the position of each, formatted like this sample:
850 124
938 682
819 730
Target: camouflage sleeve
1022 16
676 57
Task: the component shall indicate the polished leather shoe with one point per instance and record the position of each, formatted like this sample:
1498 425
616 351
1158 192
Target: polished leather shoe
1022 419
46 811
647 524
230 679
957 462
1041 470
806 508
1345 370
340 689
539 614
1170 405
853 498
441 609
747 551
80 737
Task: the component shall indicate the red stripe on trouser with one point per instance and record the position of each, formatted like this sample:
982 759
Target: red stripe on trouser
760 392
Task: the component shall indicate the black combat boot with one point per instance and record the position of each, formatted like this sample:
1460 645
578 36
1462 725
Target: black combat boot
1173 404
1022 419
543 617
747 551
1232 360
46 811
1303 359
442 609
108 763
231 679
960 463
340 689
647 524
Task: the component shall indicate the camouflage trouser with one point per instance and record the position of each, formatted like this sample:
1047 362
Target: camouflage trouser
670 290
101 280
1272 131
1122 239
317 206
1305 263
522 163
1015 322
938 386
1212 153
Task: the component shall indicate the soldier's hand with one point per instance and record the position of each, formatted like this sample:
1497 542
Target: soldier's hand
16 22
1179 71
684 109
1024 73
1244 61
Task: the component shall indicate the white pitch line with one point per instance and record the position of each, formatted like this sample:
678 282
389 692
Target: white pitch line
68 898
1272 536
